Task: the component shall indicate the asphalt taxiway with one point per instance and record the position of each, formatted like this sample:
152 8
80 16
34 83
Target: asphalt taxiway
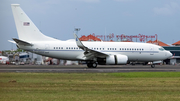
84 69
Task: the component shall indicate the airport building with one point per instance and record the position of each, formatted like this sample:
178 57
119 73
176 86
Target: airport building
23 58
175 50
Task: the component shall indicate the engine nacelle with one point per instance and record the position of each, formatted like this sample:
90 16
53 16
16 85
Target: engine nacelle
113 60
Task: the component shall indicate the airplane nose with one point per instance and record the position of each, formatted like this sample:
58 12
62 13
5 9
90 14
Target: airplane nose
169 54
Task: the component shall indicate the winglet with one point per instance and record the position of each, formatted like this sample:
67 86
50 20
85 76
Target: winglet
78 42
89 53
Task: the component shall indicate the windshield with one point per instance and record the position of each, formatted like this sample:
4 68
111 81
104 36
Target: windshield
161 49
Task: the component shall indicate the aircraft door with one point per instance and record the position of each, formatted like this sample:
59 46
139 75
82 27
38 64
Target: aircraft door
151 50
46 46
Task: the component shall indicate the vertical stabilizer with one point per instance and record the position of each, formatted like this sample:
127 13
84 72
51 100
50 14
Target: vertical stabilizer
26 29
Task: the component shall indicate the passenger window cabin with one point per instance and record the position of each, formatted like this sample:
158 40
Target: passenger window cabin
126 49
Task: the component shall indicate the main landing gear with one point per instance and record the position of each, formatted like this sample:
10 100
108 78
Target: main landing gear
92 64
152 65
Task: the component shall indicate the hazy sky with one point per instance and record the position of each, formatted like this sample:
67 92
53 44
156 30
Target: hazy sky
58 18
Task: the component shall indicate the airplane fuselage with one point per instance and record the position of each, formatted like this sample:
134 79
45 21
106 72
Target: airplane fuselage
68 50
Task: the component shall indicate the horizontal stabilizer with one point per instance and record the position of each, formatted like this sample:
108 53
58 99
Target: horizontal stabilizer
20 42
12 41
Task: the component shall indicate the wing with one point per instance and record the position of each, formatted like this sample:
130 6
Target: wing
89 53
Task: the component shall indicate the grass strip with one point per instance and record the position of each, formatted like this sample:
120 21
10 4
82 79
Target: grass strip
134 86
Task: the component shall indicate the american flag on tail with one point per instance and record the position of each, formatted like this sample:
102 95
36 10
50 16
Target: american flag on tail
26 23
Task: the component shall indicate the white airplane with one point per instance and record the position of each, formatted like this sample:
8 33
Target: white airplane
103 53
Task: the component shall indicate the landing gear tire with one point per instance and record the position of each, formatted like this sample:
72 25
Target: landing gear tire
92 65
153 65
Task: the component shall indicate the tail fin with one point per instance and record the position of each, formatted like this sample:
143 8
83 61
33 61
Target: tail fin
26 29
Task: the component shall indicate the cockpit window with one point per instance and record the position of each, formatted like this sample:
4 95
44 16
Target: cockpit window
161 49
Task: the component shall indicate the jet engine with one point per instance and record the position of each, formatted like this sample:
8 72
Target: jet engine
113 60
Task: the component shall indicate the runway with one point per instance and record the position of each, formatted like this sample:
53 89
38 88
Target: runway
84 69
